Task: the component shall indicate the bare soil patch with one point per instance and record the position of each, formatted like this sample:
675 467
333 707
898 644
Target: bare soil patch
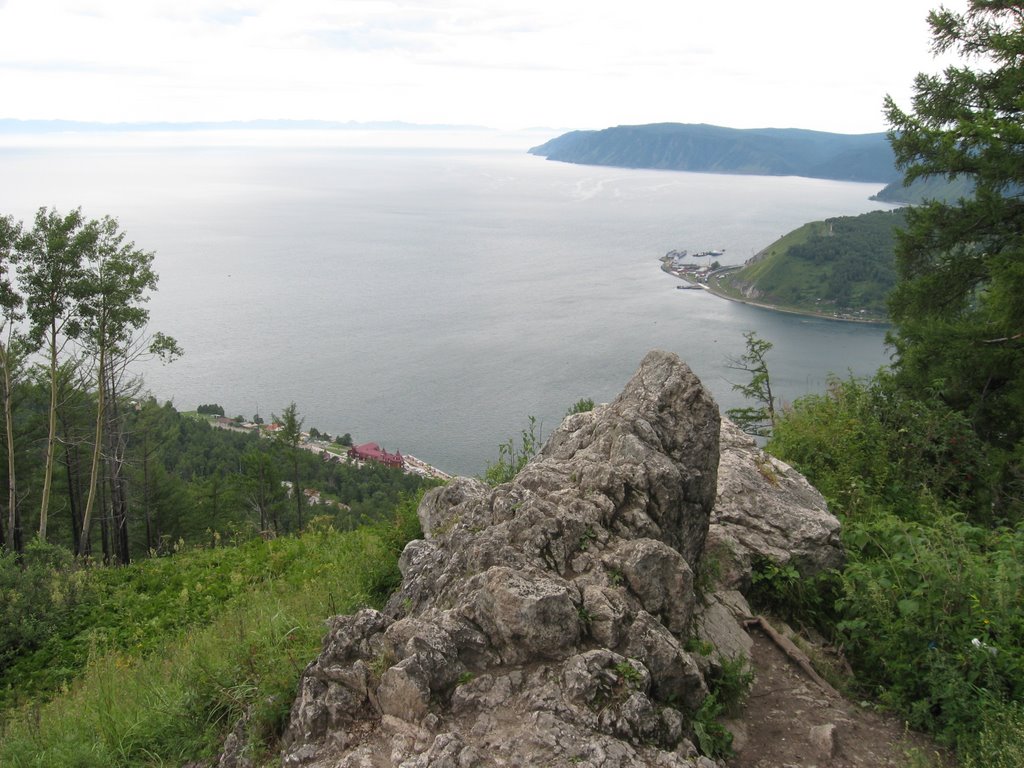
789 721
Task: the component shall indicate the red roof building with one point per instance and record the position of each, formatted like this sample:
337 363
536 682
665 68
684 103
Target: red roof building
373 452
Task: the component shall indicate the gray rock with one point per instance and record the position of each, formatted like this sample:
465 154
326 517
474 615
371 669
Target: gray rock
404 690
542 622
823 739
525 616
675 675
766 509
718 625
659 577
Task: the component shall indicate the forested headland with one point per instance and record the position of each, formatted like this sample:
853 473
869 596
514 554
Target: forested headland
843 266
714 149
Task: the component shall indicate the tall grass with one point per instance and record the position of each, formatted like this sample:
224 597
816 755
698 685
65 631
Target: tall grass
178 703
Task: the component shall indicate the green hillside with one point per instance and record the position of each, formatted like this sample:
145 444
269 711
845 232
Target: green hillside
842 266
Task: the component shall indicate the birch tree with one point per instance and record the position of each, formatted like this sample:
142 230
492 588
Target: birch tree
116 282
51 256
10 314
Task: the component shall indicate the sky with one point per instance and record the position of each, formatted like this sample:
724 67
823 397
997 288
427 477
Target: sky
503 64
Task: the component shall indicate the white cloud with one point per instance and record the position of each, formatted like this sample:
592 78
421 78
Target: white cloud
506 64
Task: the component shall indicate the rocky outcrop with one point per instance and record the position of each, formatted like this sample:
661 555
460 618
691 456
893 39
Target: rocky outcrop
545 621
766 510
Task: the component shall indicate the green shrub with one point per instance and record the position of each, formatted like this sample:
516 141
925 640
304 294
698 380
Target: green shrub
780 590
864 444
713 738
512 458
733 683
932 617
930 605
728 690
583 405
1000 744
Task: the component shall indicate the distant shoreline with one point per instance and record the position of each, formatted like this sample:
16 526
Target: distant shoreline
715 291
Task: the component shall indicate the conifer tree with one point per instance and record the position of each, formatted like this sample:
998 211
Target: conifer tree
958 308
290 436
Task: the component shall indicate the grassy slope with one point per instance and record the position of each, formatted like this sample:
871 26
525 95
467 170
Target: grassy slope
776 277
769 264
770 260
174 695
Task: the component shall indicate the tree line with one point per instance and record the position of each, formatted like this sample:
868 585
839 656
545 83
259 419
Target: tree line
94 465
192 483
72 322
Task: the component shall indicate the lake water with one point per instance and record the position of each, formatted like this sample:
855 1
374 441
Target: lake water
430 300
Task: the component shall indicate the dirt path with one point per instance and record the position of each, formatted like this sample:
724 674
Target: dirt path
790 722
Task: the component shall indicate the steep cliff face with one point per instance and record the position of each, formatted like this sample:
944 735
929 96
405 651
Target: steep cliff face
544 622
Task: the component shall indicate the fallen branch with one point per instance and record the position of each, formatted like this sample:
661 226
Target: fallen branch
795 654
1004 339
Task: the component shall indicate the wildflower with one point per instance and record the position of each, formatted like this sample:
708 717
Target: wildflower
984 646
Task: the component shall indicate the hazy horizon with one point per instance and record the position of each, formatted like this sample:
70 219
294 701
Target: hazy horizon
504 65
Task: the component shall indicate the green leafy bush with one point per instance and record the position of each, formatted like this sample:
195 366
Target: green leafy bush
583 405
713 738
728 690
930 605
932 616
865 444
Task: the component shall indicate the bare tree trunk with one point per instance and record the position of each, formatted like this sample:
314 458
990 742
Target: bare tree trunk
150 543
74 494
105 525
14 536
117 446
51 442
263 500
298 492
97 448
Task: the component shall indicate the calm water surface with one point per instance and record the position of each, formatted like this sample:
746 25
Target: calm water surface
431 299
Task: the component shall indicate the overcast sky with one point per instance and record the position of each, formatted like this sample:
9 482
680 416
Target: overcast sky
507 64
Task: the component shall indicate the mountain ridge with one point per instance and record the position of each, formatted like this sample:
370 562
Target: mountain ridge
701 147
